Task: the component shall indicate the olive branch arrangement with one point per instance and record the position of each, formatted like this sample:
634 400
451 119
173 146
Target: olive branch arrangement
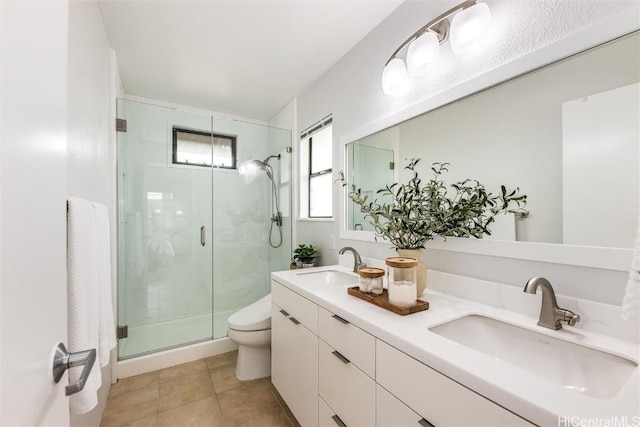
419 211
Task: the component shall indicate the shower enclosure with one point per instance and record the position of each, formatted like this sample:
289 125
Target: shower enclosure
194 234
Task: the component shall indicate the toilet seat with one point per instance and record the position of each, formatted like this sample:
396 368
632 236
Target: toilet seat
254 317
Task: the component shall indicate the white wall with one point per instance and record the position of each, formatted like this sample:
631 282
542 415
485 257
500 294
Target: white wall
90 159
601 182
287 118
351 91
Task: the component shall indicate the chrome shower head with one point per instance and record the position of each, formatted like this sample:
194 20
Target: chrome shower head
252 166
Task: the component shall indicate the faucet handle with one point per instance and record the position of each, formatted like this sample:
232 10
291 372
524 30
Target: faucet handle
571 318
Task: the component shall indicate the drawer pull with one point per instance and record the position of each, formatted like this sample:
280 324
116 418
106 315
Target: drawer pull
341 357
340 319
338 421
294 320
284 312
425 423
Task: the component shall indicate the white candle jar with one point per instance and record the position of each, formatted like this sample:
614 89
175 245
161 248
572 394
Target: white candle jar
402 281
371 280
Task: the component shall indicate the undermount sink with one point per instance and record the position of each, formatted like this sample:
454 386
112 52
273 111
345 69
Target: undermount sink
328 278
572 366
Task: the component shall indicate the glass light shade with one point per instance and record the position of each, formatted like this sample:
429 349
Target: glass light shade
423 54
394 77
470 30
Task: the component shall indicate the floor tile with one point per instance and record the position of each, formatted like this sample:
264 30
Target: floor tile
225 359
203 393
131 406
224 378
150 421
178 392
248 402
185 369
270 418
138 382
202 413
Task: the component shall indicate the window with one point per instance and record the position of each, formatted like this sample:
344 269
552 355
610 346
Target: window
194 148
316 151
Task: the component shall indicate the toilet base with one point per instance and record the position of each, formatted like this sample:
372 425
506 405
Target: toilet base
253 362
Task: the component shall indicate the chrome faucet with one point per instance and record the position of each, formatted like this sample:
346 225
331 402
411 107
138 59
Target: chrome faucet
357 261
550 314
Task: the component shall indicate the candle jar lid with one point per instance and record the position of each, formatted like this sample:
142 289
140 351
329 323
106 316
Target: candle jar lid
370 272
401 262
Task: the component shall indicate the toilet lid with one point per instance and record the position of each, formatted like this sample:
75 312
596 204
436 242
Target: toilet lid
254 317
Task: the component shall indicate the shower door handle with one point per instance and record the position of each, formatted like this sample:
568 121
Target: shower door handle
203 236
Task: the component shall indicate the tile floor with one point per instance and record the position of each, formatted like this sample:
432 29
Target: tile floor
201 393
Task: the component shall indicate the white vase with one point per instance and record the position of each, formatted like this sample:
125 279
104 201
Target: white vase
421 268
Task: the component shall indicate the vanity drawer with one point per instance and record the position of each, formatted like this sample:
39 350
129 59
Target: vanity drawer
326 417
390 412
352 342
298 307
348 391
440 400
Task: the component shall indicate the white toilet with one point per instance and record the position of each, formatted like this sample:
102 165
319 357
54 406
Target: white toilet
250 328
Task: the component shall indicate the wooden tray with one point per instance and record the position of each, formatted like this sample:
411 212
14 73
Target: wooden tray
382 300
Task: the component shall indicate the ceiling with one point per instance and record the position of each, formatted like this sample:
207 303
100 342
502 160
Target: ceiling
244 57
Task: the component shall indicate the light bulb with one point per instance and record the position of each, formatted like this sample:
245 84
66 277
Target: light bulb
423 54
470 30
394 77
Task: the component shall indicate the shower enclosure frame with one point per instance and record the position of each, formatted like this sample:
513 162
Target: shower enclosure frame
216 175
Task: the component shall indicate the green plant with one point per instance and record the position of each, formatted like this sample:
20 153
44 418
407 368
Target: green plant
305 253
418 212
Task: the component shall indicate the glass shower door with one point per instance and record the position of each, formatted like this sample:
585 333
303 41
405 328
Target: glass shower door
248 245
241 213
165 286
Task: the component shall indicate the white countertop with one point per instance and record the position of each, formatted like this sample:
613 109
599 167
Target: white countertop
533 398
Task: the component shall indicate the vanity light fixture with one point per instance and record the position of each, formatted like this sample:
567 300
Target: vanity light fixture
467 31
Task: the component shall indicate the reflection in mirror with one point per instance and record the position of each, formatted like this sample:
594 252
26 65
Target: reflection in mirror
372 164
566 134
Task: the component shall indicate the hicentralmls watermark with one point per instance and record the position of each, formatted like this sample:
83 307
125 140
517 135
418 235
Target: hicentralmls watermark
577 421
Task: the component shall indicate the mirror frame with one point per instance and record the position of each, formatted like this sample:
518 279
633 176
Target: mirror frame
584 256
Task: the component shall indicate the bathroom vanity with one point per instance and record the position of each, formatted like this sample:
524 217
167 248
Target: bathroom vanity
338 360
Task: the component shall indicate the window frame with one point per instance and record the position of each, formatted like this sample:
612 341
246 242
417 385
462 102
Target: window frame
305 167
174 147
315 175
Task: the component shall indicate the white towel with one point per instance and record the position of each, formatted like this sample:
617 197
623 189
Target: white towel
107 329
82 297
631 300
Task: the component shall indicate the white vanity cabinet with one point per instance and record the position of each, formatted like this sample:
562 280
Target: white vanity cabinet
390 412
326 417
352 342
294 352
332 373
438 399
347 367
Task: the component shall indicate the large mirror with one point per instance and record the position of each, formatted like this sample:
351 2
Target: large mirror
566 134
